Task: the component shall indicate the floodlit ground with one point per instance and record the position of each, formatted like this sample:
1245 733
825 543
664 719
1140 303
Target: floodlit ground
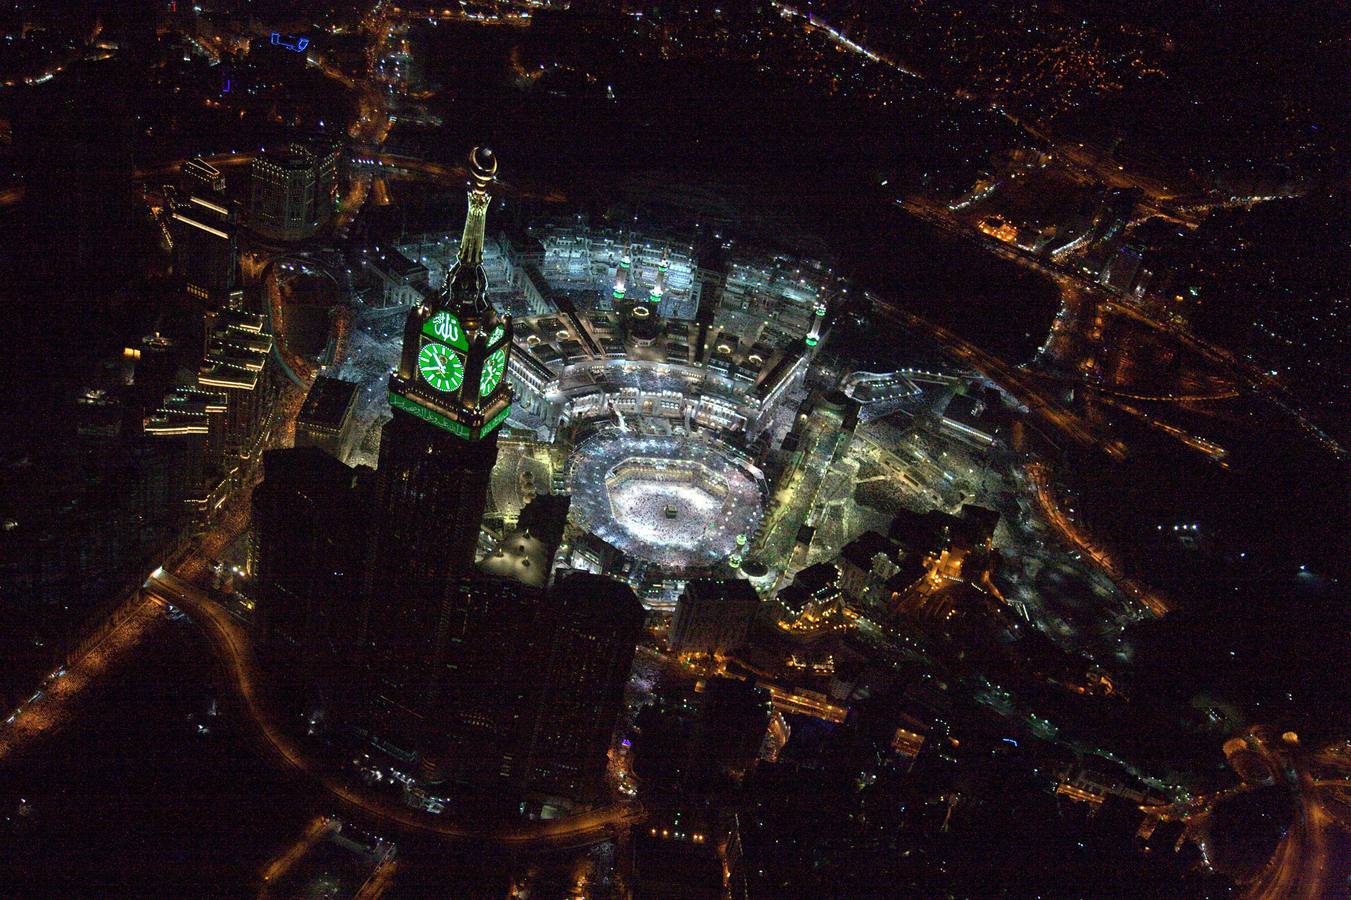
376 342
679 502
524 470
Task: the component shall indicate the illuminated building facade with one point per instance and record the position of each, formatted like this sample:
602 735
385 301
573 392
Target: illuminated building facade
813 592
784 293
866 564
205 229
240 363
571 369
326 420
403 281
225 413
449 396
292 191
195 418
200 177
577 258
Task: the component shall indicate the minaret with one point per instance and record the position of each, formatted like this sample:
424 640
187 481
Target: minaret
622 277
818 317
449 395
659 282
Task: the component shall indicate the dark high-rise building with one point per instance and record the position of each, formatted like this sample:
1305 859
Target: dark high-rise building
593 625
195 419
292 191
713 615
483 688
206 235
448 396
691 744
735 721
328 417
308 532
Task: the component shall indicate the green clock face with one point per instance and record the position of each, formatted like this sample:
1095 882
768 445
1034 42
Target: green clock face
441 367
447 329
493 368
496 335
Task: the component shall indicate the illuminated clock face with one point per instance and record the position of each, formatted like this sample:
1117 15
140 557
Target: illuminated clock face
493 367
441 367
446 328
496 335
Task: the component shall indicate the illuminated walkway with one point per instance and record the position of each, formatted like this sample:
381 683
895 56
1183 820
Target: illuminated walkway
57 700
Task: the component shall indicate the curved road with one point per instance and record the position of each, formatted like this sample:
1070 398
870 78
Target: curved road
1312 861
234 653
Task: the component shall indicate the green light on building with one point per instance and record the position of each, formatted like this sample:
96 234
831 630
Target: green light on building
446 423
446 328
495 421
811 342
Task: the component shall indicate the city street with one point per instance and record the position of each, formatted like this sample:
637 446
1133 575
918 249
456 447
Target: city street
235 655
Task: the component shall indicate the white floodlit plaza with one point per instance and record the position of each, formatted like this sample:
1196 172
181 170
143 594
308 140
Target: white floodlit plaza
677 501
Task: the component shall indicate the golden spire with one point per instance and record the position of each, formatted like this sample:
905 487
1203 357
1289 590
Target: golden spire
482 171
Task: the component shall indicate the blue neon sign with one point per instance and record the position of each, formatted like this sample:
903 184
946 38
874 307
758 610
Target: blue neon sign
290 42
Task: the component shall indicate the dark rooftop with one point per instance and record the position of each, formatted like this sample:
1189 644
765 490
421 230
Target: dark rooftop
328 402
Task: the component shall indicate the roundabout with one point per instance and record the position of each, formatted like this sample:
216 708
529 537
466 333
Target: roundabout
678 502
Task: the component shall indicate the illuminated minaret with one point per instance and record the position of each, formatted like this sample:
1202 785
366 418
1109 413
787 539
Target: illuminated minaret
659 282
814 335
449 396
622 277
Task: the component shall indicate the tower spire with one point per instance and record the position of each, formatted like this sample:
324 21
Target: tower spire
466 288
482 171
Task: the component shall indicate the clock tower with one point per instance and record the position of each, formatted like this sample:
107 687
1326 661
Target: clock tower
449 396
452 371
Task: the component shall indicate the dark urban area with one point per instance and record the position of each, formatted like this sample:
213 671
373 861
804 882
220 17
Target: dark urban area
701 450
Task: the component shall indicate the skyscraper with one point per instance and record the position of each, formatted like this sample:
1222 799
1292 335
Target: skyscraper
448 396
328 417
591 626
308 525
292 191
240 363
713 615
206 235
484 689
